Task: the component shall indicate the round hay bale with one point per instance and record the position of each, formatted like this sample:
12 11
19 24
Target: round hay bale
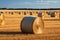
1 19
32 25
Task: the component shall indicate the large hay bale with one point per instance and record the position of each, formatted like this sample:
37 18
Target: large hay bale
32 24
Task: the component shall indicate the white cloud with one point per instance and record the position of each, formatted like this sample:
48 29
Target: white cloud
46 1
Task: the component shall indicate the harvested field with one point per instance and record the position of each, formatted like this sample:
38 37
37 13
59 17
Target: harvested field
11 30
20 36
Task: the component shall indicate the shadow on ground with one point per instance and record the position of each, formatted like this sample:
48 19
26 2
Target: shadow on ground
14 33
11 33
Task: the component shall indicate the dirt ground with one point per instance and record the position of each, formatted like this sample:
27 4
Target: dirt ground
20 36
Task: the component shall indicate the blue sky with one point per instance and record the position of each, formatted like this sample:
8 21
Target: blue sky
29 3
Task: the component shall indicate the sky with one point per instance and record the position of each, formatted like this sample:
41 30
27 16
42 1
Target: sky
29 3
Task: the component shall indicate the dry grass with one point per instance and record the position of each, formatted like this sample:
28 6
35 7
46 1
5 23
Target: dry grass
29 37
12 23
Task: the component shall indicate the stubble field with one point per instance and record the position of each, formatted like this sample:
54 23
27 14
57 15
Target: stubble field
20 36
